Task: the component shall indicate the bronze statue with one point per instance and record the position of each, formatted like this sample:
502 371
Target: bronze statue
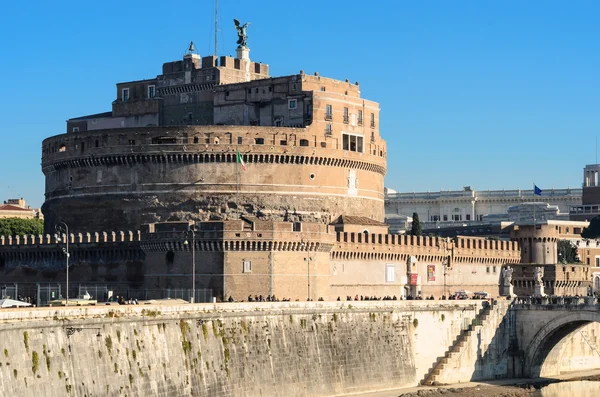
241 30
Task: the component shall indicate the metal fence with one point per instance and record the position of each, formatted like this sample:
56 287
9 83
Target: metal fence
46 293
9 291
201 295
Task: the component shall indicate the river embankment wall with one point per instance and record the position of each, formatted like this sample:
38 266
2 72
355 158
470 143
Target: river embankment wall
240 349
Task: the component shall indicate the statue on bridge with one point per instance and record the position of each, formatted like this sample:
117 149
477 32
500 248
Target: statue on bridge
538 282
539 273
507 287
507 276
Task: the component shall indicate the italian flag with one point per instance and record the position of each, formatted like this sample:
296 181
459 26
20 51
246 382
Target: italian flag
240 160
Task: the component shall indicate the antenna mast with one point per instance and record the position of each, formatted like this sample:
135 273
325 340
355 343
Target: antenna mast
216 28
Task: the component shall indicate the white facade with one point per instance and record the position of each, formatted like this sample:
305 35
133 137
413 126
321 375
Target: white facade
468 205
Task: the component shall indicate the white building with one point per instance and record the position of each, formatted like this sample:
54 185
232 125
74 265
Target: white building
470 206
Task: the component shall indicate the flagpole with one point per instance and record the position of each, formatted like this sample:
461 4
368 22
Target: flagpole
534 207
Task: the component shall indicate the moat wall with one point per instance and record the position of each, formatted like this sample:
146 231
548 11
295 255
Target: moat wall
291 349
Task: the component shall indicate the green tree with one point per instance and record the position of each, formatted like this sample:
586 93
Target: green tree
21 227
416 226
593 230
567 251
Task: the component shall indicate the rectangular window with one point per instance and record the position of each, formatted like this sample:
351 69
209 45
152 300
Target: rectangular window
328 129
346 116
328 112
131 142
292 104
278 122
150 91
360 117
297 227
247 266
445 217
125 94
468 217
323 88
75 129
597 261
372 120
353 143
239 140
390 273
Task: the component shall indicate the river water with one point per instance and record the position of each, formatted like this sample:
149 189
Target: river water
570 389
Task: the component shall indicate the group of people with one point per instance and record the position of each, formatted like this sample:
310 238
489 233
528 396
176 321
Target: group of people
260 298
370 298
121 300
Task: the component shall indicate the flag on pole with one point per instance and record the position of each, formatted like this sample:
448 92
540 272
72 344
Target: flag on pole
241 161
537 190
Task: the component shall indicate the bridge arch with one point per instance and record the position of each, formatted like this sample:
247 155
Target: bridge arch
542 356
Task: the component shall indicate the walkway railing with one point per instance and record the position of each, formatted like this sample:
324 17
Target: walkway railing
556 300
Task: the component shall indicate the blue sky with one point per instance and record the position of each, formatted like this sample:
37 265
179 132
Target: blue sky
491 94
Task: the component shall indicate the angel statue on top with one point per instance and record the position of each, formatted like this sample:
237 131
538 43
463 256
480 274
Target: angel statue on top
241 31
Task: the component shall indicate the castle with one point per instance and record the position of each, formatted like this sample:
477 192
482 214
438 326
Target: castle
270 185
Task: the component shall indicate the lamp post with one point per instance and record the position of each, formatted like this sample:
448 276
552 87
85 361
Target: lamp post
307 259
192 298
61 228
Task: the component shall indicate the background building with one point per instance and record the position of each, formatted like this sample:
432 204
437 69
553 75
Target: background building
468 206
17 208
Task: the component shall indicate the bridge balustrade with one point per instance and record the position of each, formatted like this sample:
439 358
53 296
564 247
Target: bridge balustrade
557 300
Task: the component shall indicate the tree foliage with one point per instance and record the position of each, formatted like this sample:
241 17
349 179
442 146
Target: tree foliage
593 230
416 226
567 251
21 227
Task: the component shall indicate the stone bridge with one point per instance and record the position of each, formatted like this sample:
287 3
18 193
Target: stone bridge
543 328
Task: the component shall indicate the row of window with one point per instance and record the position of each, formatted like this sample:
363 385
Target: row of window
454 217
150 92
329 115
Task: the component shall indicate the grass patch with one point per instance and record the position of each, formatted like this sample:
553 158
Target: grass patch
35 360
26 340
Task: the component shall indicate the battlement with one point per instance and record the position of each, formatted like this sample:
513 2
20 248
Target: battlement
74 238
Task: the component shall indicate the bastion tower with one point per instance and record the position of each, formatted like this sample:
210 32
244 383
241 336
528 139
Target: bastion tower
168 150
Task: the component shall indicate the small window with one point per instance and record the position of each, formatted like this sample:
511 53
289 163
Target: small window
249 90
226 94
372 120
445 217
390 273
270 89
283 143
328 129
259 141
82 147
292 104
346 116
328 110
195 139
96 143
151 91
487 269
303 142
125 94
323 88
293 86
256 90
239 140
131 142
247 266
494 269
360 118
278 122
75 129
297 227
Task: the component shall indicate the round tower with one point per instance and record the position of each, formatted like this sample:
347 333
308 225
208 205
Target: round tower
538 243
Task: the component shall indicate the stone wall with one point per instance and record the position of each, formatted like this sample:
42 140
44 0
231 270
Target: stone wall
291 349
